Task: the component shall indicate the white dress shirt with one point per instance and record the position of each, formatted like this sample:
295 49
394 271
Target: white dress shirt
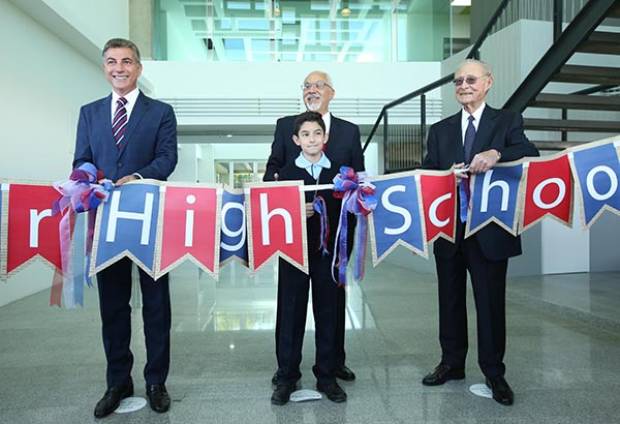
465 120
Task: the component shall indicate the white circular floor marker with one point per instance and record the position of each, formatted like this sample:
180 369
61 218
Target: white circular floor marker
481 390
305 395
131 404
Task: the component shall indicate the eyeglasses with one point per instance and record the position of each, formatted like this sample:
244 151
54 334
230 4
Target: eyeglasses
470 80
319 85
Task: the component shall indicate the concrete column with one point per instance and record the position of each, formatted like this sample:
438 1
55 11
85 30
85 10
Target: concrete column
141 26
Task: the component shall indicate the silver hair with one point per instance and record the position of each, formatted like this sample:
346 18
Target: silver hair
484 65
326 76
116 43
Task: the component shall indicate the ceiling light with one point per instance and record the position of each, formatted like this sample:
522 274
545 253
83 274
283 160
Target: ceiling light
345 12
460 3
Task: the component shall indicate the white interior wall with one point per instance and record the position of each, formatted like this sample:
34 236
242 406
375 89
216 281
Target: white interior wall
95 19
43 82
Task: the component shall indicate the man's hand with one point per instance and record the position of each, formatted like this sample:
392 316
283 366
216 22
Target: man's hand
460 172
484 161
125 179
309 210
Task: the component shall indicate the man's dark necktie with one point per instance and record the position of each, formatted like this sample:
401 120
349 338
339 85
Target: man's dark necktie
119 122
468 144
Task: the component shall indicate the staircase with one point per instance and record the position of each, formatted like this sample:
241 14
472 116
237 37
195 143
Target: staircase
547 91
601 94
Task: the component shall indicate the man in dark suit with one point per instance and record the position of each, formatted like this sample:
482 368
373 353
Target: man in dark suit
129 136
343 148
478 136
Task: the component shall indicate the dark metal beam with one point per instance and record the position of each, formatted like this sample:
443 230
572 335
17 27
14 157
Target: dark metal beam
558 18
474 52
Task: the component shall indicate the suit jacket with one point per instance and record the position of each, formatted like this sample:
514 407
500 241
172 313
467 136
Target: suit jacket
291 172
501 130
344 146
148 148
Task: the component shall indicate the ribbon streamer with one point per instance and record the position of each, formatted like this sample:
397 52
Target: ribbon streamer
82 192
320 207
358 197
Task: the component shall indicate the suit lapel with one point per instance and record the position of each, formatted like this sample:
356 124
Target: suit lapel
485 129
333 129
106 115
139 109
456 138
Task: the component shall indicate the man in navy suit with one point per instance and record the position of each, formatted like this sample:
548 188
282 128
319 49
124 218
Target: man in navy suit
343 147
129 136
479 136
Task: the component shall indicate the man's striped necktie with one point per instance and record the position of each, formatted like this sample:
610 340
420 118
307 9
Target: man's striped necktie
119 123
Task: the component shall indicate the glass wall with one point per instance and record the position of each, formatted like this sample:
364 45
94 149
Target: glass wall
310 30
236 173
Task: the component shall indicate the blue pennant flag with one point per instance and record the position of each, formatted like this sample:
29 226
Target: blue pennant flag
598 174
494 198
398 218
233 241
128 227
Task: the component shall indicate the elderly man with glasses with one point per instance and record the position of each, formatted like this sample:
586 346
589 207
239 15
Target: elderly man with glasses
343 147
475 139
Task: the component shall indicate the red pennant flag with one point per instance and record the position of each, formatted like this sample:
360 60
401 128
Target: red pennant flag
32 230
548 191
190 228
277 224
439 200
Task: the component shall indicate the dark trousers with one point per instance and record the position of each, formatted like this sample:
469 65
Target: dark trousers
293 286
489 284
114 285
341 306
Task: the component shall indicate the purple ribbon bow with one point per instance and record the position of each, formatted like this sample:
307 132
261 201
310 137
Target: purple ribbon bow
82 192
358 198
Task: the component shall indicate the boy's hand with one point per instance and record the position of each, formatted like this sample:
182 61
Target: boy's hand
309 210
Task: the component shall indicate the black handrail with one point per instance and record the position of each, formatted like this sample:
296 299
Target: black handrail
474 53
405 98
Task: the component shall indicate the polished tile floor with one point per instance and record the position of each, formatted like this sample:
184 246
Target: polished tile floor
563 355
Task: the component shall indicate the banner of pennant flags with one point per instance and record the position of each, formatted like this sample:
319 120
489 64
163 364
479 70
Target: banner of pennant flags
159 225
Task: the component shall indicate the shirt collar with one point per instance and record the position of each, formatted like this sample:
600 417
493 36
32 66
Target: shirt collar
327 119
314 169
131 97
477 115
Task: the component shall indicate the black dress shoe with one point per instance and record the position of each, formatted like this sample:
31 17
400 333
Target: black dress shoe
502 392
333 392
274 379
112 398
344 373
159 400
282 393
443 373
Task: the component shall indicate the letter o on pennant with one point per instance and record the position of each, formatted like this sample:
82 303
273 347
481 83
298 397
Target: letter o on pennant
612 179
537 195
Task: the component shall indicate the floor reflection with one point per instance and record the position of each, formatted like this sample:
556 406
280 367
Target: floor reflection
244 301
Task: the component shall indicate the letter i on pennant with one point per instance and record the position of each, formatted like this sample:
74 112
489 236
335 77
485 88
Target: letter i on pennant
189 228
